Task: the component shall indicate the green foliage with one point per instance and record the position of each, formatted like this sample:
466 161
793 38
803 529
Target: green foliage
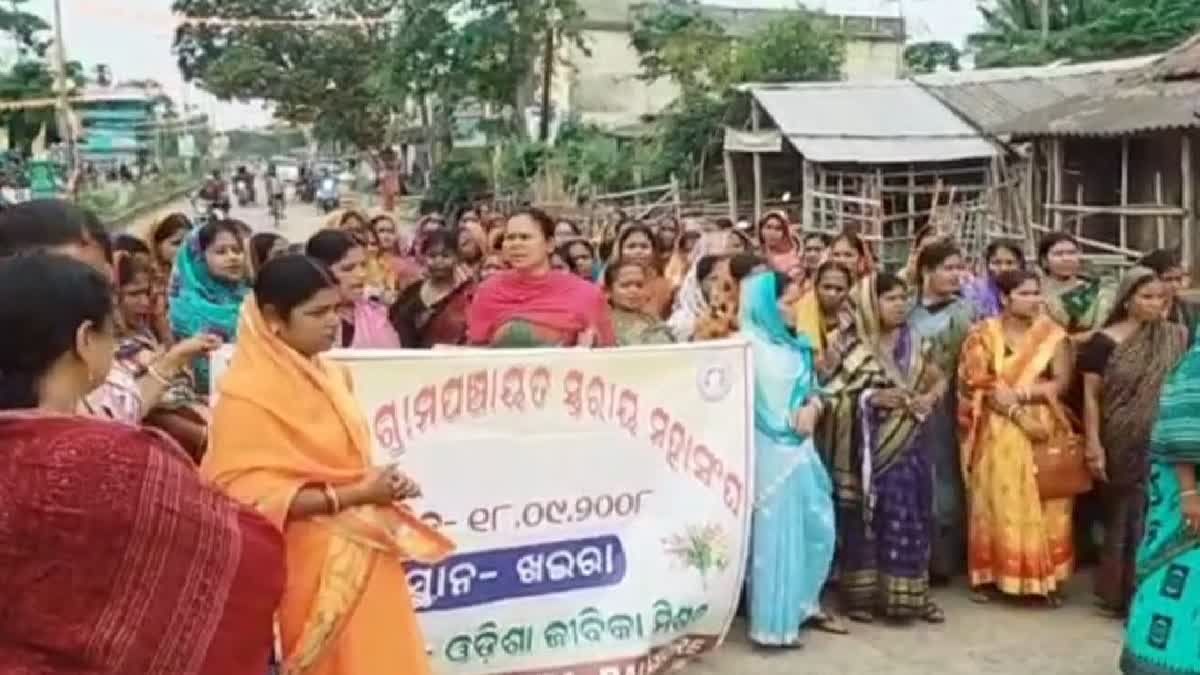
489 53
1080 30
29 78
326 76
928 57
457 182
679 41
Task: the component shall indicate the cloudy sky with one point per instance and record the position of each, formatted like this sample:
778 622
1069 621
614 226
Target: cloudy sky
134 38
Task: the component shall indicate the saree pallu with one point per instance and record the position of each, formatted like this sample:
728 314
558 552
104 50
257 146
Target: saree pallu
946 326
518 309
1163 635
639 328
1079 306
443 322
793 533
1130 389
883 486
1017 541
346 608
117 559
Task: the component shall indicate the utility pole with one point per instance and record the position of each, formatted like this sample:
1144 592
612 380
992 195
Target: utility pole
65 125
1045 22
547 82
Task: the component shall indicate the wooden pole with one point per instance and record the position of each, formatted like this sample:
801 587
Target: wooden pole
1056 178
912 202
1161 221
1188 189
755 122
1124 234
807 188
731 186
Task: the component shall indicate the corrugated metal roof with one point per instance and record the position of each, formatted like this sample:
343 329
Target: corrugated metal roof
1160 96
1117 111
994 97
869 122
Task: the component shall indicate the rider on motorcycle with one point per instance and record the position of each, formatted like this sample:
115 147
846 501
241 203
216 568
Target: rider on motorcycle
216 192
275 190
244 182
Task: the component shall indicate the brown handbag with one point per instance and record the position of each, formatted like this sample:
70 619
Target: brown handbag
1060 465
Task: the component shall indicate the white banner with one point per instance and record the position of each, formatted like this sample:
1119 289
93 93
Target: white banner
599 499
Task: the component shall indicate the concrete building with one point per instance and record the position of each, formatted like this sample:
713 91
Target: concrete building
603 87
118 124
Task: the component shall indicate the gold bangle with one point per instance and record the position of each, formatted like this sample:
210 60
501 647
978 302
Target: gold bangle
335 505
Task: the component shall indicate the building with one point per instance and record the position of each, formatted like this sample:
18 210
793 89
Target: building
118 124
603 85
823 151
1116 165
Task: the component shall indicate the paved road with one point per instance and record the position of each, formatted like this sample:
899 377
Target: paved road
300 220
998 639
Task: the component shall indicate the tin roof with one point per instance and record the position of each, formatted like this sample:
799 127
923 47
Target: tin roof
1163 95
993 97
883 122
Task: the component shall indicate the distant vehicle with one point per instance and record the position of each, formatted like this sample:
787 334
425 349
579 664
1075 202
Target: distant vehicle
328 193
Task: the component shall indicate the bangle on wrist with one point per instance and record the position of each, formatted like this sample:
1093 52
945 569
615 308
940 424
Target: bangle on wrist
331 496
1189 493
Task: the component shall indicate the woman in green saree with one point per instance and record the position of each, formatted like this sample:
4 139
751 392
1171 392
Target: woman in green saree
1163 637
625 283
1077 303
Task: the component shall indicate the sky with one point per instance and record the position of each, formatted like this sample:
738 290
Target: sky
134 38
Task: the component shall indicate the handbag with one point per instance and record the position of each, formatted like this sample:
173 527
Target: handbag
1060 465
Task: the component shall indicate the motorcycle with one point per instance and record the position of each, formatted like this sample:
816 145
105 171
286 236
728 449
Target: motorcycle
328 196
208 211
243 188
307 190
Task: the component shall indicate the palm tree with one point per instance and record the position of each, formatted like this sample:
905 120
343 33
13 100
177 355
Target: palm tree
1013 33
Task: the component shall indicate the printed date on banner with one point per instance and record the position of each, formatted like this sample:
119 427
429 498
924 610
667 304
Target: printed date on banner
558 512
484 577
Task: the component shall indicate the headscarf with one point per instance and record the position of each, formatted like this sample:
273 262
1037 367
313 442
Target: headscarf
557 300
475 230
201 303
784 261
690 303
810 321
678 265
868 323
783 360
1132 383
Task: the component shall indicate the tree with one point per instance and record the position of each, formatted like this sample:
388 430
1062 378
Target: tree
1079 30
447 52
28 30
680 42
929 57
324 75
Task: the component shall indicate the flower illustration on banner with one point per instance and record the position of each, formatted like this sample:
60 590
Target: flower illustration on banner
702 548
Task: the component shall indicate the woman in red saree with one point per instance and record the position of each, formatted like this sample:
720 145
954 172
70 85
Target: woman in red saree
531 305
116 557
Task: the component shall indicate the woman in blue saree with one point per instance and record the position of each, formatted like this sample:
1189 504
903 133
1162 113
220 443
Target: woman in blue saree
1163 637
793 531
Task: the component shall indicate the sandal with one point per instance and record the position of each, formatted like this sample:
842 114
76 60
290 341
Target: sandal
828 623
981 596
932 613
860 616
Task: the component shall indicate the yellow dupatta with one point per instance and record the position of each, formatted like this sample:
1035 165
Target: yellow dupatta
983 366
284 422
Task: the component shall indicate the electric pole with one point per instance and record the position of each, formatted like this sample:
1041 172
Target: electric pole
1045 22
65 125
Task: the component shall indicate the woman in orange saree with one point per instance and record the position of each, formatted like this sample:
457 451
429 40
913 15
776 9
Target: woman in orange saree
303 460
1012 371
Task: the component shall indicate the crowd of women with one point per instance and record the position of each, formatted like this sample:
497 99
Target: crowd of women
985 417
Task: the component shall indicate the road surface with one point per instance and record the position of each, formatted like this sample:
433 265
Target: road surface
998 639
